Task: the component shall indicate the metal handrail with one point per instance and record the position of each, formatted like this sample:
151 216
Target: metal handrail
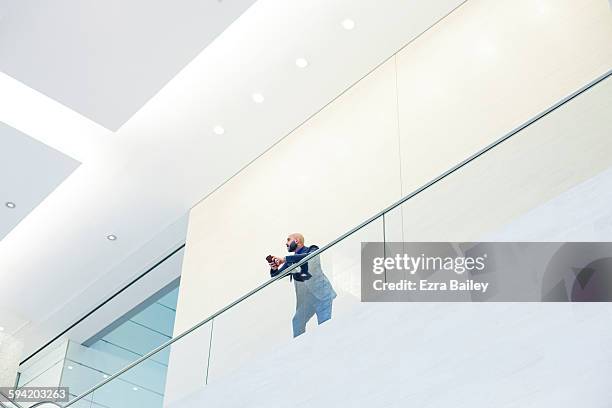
347 234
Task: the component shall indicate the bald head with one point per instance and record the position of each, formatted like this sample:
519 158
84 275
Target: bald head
295 241
297 237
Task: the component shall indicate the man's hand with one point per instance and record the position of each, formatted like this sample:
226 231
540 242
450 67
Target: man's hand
273 265
279 260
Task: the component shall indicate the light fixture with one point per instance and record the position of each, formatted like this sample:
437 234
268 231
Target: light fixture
257 98
301 62
10 204
105 376
69 367
218 130
348 24
1 328
135 388
111 237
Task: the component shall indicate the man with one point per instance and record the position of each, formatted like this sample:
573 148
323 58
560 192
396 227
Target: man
314 293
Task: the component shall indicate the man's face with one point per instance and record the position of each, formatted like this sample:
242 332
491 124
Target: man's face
291 243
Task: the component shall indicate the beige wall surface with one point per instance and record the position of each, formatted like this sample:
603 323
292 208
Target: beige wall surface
489 67
565 148
485 69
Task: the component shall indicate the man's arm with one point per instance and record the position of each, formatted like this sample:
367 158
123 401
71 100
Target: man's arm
291 259
275 271
295 259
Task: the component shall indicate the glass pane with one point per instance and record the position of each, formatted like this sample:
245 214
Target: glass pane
150 383
265 322
138 331
549 182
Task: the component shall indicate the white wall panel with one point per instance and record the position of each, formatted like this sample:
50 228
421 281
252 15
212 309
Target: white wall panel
434 355
489 67
187 368
567 147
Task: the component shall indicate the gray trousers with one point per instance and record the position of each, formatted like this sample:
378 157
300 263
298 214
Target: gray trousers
308 307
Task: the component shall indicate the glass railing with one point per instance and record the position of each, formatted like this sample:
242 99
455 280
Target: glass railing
476 199
128 325
119 303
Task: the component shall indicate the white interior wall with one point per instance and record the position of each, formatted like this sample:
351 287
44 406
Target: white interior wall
187 366
10 350
478 356
54 356
582 213
479 73
467 354
489 67
568 146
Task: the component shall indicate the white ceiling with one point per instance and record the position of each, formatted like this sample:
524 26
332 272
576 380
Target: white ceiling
29 171
105 59
139 179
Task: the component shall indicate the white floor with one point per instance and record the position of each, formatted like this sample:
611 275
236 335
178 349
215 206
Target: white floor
434 355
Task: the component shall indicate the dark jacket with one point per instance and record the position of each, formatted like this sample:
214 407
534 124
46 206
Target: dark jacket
308 278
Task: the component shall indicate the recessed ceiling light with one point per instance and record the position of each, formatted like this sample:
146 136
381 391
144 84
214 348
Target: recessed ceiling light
69 367
257 98
10 204
301 62
1 328
218 130
111 237
348 24
105 376
135 388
